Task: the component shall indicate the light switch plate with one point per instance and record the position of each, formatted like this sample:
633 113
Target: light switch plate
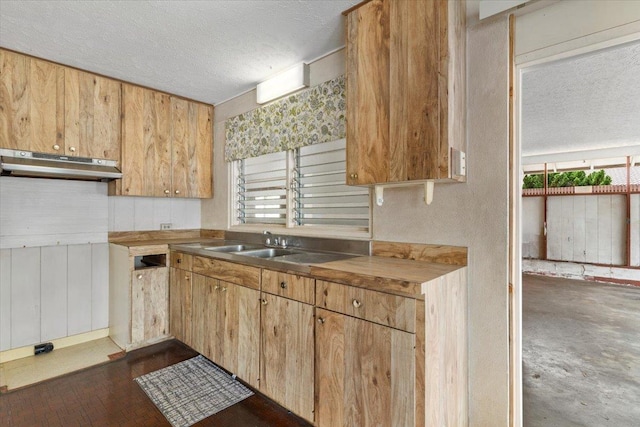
165 226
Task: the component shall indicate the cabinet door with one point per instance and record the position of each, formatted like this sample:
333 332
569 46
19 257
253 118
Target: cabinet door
367 73
180 305
192 145
286 365
365 373
146 152
31 104
239 331
92 115
149 304
204 314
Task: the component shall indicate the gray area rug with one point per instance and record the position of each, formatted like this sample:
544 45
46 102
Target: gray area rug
193 390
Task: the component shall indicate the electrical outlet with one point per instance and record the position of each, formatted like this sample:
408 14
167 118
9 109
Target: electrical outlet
165 226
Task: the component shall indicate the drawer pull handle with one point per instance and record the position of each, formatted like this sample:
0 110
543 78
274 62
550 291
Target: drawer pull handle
321 320
283 285
263 301
356 303
139 276
179 261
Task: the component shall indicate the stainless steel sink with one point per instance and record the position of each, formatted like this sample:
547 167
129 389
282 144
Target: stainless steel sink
266 253
231 248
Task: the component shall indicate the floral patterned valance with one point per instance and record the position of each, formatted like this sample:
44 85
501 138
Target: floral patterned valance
309 117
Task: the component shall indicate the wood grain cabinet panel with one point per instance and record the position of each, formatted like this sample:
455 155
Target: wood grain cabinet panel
226 326
181 260
365 373
180 305
167 146
31 104
386 309
228 271
146 144
405 90
92 115
191 141
286 365
291 286
54 109
149 304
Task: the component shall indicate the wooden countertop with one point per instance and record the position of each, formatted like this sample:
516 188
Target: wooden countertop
399 276
394 275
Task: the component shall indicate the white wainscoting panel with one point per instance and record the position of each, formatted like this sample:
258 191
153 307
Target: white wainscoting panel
53 292
5 299
47 212
79 289
147 213
99 286
25 296
532 227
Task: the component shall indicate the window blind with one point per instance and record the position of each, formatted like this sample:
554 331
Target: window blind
262 189
321 196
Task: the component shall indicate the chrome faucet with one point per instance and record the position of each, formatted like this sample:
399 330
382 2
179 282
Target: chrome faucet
277 242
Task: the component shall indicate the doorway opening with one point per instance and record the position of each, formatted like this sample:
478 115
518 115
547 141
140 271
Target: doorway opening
577 223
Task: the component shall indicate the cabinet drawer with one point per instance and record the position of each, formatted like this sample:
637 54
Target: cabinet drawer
181 261
290 286
385 309
227 271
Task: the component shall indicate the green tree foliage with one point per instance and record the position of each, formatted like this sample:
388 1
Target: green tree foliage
567 179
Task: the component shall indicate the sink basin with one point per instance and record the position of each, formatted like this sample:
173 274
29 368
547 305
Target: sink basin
230 248
266 253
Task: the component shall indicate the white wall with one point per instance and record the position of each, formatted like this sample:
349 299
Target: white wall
532 227
147 213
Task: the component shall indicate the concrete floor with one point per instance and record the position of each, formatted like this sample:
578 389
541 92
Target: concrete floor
581 353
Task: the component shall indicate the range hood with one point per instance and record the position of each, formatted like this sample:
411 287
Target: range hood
42 165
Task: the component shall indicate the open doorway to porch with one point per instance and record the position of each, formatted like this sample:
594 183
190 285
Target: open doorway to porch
578 116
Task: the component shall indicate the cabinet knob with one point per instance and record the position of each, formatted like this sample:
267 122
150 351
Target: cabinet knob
177 191
186 277
56 147
216 287
139 276
283 285
263 301
224 289
179 260
321 320
72 149
356 303
167 191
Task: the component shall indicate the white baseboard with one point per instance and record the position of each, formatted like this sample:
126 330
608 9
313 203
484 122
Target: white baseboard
19 353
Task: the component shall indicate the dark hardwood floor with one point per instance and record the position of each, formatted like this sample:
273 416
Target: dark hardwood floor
106 395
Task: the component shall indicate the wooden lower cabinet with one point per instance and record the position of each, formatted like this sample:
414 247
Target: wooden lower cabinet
286 365
149 296
180 305
226 325
365 373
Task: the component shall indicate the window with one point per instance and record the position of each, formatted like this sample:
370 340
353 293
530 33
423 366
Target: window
304 187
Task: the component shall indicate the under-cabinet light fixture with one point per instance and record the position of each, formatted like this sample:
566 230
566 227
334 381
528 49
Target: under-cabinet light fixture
284 83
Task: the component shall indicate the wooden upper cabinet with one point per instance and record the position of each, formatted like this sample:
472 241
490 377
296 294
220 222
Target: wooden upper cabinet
31 104
192 145
146 143
405 90
92 115
167 145
49 108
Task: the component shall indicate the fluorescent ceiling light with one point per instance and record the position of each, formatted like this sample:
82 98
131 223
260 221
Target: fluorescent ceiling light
284 83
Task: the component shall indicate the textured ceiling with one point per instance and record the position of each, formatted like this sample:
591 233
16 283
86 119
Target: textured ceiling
588 102
205 50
